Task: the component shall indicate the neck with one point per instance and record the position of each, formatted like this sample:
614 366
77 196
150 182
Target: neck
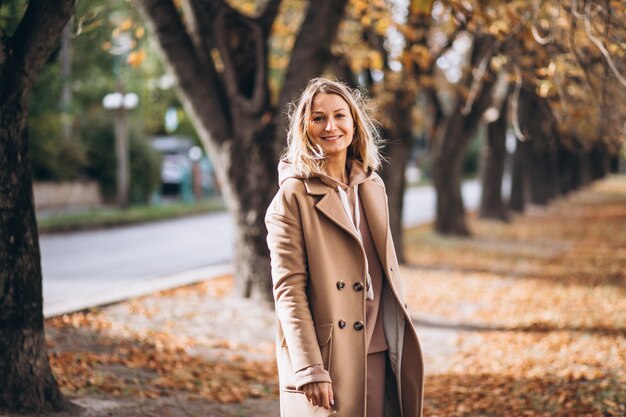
336 169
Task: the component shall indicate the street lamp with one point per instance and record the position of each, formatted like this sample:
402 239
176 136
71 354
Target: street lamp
121 103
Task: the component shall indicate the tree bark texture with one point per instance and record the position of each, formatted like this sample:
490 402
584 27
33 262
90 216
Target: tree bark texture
230 106
397 150
599 161
568 169
614 164
450 143
536 169
491 204
541 175
26 380
517 199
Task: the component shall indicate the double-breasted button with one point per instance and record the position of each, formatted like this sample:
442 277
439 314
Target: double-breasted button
358 325
342 324
357 286
340 285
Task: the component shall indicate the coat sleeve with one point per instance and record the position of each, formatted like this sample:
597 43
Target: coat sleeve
289 277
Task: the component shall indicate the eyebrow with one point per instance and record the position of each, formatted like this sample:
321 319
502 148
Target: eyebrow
340 109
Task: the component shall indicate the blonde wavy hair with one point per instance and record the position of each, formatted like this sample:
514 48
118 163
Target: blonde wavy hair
304 155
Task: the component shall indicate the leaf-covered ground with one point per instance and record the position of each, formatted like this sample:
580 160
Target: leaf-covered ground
523 319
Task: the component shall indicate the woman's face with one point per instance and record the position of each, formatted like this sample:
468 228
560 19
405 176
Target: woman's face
331 125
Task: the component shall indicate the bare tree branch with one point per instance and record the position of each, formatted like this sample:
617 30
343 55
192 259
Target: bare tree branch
580 62
451 39
341 68
544 40
605 80
32 41
268 16
312 45
228 25
481 69
438 113
598 43
207 98
197 13
515 105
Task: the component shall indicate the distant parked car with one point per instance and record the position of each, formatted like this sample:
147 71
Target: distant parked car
177 173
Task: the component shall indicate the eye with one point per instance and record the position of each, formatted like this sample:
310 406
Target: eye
340 116
318 118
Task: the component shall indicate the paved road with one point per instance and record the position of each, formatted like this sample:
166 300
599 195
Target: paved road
83 269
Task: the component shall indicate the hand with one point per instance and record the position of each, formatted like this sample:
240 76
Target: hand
319 394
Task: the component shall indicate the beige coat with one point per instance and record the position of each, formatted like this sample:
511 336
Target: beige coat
313 247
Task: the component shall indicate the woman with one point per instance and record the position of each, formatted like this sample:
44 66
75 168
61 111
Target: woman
345 346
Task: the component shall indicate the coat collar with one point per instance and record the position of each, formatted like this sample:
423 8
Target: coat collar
373 199
330 204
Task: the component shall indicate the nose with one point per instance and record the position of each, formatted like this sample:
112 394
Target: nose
330 125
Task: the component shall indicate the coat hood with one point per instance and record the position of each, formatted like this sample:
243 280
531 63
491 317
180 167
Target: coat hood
357 174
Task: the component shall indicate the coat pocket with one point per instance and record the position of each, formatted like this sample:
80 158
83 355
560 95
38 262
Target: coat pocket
324 334
324 340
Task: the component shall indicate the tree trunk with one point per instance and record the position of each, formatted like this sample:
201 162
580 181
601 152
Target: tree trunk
566 173
539 172
491 204
575 169
447 164
598 161
26 380
241 129
397 151
447 173
519 177
255 186
539 150
614 164
450 142
586 175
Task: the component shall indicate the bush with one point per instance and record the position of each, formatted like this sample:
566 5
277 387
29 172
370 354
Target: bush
54 157
97 132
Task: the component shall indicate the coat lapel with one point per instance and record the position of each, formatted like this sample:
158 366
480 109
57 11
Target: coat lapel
372 197
374 203
330 205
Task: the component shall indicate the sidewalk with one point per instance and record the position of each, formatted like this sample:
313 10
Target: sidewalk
86 269
522 319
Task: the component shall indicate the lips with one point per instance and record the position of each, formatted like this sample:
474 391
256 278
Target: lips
331 138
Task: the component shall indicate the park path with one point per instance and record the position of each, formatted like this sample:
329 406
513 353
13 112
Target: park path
89 268
493 314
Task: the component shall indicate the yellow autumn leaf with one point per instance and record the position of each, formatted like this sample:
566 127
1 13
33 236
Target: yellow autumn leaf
375 60
421 55
497 62
545 87
126 24
421 6
498 27
135 58
381 26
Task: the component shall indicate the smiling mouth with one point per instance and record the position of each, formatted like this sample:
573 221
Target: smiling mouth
331 138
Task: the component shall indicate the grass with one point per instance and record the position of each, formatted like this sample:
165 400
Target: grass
110 217
100 218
